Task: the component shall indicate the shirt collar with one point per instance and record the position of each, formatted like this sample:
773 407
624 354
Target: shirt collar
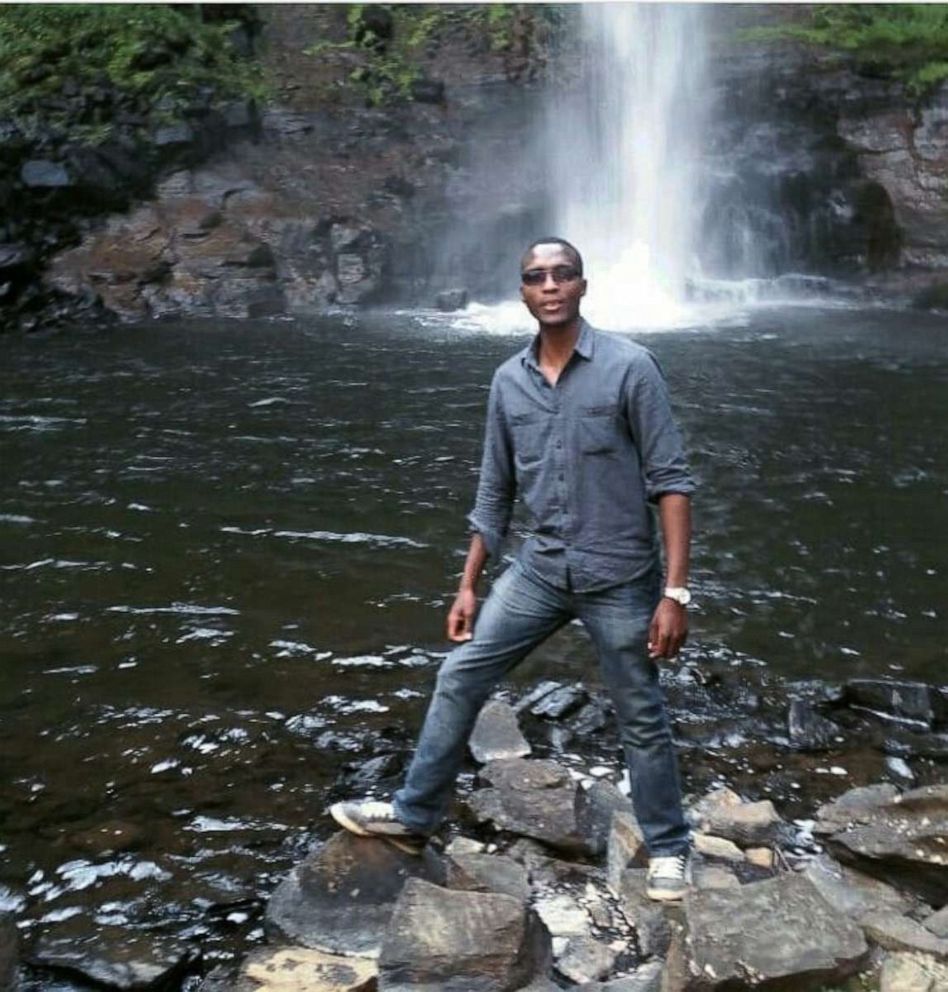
584 346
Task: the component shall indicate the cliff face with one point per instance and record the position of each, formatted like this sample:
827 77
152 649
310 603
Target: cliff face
319 199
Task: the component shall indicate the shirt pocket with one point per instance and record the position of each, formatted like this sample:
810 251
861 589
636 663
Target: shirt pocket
529 436
598 430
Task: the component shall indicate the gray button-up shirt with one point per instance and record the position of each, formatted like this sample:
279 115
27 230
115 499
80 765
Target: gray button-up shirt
585 456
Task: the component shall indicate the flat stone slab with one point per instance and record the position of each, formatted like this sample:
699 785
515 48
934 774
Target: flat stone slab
900 838
899 933
852 892
748 825
770 931
453 941
340 899
912 973
496 735
586 960
299 969
488 873
534 799
717 847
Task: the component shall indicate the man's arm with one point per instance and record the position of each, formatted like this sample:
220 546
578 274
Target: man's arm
669 628
461 616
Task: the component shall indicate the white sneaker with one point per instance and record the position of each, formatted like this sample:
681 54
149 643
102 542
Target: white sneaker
376 819
668 878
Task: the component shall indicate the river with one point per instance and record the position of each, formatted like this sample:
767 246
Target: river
228 549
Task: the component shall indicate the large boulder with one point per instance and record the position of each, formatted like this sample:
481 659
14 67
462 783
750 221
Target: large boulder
534 799
769 934
853 893
451 941
907 972
340 899
900 838
496 735
908 703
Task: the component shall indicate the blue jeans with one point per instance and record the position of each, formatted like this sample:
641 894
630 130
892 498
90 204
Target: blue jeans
520 613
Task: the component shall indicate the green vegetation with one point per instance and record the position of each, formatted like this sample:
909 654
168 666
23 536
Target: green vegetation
151 54
392 64
904 41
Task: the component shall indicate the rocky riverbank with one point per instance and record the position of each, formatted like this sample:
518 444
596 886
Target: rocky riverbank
802 878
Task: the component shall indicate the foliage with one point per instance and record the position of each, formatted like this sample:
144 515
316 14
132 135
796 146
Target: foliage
389 68
150 53
907 41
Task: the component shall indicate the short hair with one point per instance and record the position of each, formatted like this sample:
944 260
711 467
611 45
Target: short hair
571 250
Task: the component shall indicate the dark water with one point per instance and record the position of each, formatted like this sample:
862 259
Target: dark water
226 553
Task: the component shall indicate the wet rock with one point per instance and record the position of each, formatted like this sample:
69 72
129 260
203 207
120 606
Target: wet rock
626 847
807 729
116 958
535 695
749 825
717 847
452 299
298 969
589 719
900 769
488 873
15 258
906 972
496 735
899 933
909 703
427 91
560 701
644 915
585 960
461 942
43 174
773 931
532 798
851 892
902 839
596 808
339 900
9 950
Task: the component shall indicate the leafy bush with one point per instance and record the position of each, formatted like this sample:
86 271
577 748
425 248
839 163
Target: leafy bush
147 51
906 41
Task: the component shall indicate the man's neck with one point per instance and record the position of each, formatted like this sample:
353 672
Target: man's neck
557 343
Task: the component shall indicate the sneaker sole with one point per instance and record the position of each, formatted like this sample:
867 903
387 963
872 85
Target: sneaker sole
403 844
662 895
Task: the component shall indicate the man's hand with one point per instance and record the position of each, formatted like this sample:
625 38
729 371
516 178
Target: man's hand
461 616
668 629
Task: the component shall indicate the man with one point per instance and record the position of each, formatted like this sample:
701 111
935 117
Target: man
579 426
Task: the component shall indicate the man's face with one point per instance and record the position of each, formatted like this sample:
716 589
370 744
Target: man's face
552 303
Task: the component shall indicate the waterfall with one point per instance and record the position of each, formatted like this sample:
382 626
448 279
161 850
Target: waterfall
623 153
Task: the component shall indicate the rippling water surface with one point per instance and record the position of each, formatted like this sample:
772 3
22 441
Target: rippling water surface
226 551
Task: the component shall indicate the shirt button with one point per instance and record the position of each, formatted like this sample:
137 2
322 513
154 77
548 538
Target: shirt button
559 444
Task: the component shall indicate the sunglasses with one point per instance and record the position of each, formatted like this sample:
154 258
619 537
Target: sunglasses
560 273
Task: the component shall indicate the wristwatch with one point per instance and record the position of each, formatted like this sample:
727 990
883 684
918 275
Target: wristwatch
679 594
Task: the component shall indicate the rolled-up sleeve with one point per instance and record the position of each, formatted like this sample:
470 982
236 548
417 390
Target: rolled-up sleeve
496 487
655 432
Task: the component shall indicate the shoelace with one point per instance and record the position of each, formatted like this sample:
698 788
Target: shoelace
673 867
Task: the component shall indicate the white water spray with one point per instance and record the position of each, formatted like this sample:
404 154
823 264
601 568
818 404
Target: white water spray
624 155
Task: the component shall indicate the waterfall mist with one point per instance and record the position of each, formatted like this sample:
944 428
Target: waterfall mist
623 152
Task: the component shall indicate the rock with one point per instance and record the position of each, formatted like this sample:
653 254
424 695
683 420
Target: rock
807 729
14 258
595 811
488 873
427 91
750 824
699 813
626 847
647 978
718 847
851 892
644 915
496 735
714 877
900 769
777 930
532 798
172 136
760 857
535 695
899 933
938 922
460 942
585 960
906 972
563 916
560 701
298 969
902 839
909 703
589 719
43 174
339 899
115 957
9 950
452 299
464 845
